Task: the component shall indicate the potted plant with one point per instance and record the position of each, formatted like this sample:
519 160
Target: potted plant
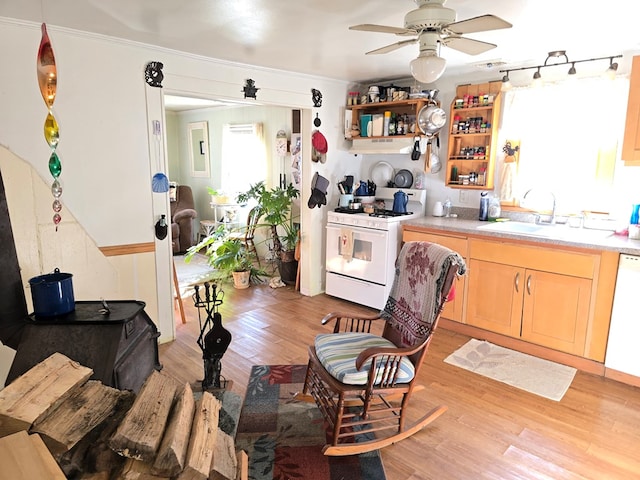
276 204
218 197
229 257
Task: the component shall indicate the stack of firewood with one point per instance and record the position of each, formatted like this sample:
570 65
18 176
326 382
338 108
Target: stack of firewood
55 423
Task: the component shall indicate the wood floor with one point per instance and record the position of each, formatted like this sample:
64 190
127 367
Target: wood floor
491 430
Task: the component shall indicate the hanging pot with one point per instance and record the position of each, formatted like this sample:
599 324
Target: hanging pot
52 294
431 119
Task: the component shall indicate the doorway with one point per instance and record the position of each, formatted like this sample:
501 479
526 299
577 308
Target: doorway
164 269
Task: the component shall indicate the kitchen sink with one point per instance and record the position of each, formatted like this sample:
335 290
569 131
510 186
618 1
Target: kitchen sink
560 232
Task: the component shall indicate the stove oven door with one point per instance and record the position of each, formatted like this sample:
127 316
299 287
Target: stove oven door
370 256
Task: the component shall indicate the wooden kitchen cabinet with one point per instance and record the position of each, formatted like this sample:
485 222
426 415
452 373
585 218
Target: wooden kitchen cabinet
631 141
540 295
453 310
564 318
473 136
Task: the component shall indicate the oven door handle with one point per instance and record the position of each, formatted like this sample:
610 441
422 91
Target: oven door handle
363 230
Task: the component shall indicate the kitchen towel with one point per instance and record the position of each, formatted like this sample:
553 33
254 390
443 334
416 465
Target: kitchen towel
346 243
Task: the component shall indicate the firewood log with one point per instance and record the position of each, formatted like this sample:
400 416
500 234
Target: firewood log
140 433
38 391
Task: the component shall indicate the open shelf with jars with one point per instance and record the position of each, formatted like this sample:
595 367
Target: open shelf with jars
404 111
473 136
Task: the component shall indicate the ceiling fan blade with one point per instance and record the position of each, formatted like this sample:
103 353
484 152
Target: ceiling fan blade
467 45
482 23
370 27
392 47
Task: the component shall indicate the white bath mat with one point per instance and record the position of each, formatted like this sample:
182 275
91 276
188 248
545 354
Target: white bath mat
535 375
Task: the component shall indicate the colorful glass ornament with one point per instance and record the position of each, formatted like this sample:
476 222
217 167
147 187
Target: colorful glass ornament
56 189
46 66
48 83
55 167
51 132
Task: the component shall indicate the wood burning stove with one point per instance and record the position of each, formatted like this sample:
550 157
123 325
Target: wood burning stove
119 343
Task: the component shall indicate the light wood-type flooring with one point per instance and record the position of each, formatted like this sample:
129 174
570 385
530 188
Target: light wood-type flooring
491 430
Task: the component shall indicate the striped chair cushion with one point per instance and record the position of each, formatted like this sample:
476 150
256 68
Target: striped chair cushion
338 352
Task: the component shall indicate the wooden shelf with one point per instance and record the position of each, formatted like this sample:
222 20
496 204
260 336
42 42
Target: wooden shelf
485 143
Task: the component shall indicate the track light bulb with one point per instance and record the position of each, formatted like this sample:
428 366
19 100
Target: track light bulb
611 71
537 78
572 70
506 83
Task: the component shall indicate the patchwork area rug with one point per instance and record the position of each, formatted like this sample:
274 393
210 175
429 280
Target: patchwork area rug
535 375
284 437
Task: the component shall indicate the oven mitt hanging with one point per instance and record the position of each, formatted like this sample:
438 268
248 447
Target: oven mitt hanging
319 147
319 186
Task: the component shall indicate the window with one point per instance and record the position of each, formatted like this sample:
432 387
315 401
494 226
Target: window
244 158
569 135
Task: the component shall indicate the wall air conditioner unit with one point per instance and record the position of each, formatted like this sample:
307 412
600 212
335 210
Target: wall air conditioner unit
385 145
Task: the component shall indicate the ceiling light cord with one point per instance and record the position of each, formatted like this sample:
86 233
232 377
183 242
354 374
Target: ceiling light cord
537 76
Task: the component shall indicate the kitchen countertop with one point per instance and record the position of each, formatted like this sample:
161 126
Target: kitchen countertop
566 236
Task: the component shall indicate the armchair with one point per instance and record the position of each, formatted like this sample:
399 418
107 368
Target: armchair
182 216
362 382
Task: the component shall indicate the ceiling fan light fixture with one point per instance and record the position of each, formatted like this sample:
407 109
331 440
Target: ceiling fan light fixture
427 67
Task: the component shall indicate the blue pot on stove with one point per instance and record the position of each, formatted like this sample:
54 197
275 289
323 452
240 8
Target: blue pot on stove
400 200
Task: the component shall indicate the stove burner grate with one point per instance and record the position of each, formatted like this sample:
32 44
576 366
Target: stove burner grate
349 210
388 213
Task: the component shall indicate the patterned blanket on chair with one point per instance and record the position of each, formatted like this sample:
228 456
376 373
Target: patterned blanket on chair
423 278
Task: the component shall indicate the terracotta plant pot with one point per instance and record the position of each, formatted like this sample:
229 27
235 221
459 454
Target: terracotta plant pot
241 279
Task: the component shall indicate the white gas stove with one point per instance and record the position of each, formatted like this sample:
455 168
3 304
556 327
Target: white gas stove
362 248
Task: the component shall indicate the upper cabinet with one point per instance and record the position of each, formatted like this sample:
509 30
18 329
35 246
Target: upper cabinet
631 143
473 136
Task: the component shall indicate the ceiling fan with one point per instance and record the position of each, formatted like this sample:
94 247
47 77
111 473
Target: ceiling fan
435 25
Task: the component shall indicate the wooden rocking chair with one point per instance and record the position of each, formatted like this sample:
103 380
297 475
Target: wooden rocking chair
362 382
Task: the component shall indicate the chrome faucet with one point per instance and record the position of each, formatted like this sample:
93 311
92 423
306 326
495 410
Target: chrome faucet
552 219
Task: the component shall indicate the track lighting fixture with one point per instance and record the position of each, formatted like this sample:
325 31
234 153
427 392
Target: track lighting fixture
506 83
550 62
613 68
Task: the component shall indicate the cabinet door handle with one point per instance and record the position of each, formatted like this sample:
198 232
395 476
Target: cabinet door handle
529 285
517 282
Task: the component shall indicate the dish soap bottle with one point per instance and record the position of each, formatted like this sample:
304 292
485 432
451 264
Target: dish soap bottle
483 215
494 208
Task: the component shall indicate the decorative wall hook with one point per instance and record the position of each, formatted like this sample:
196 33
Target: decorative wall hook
153 74
316 95
250 89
